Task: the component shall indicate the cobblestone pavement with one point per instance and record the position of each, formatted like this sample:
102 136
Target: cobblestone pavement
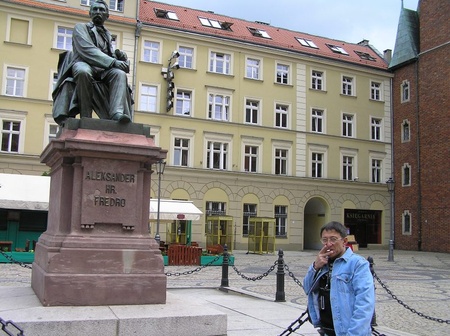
419 280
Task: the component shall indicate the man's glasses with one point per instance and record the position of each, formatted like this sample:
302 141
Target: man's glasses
332 240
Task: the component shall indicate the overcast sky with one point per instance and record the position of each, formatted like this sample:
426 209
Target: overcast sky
346 20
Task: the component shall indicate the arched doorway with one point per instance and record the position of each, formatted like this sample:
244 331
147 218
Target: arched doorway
317 213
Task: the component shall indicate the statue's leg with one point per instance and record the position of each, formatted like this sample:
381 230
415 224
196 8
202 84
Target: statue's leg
120 104
84 77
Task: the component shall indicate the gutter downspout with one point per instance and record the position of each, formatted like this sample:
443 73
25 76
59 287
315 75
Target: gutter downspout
137 34
419 170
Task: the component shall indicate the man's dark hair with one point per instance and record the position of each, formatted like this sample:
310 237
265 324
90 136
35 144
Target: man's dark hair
336 226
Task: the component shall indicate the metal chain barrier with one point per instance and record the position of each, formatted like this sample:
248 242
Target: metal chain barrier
439 320
297 281
300 321
12 260
198 269
5 324
259 277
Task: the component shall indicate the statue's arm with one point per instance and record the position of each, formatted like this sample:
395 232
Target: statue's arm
85 48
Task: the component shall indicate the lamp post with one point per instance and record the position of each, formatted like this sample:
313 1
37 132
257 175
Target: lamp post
391 185
160 166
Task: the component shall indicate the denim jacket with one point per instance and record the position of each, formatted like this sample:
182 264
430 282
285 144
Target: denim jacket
352 295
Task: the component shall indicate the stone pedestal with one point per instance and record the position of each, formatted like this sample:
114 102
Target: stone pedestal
97 249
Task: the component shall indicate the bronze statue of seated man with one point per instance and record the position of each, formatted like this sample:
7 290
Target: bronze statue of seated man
93 76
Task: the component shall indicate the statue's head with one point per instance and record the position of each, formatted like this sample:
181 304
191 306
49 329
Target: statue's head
99 12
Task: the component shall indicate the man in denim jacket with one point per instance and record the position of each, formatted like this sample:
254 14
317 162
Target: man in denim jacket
340 288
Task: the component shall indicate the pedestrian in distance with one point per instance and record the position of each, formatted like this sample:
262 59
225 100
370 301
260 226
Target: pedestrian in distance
340 287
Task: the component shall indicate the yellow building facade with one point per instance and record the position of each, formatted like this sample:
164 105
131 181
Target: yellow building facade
258 128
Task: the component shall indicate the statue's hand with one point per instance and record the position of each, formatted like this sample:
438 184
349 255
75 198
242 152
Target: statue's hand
122 65
120 55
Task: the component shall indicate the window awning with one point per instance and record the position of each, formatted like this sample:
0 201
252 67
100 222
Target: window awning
173 210
24 192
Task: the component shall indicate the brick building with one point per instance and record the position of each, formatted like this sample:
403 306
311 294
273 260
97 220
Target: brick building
421 116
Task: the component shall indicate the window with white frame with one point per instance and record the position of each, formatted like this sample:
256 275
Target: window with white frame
281 115
183 103
406 131
251 158
19 29
216 208
15 81
281 216
347 86
347 125
162 13
148 98
64 38
151 51
115 5
12 131
50 131
219 107
375 128
317 164
376 171
317 80
281 152
52 84
217 155
250 210
405 91
186 58
337 49
406 175
348 164
317 120
213 23
181 147
406 223
281 161
181 152
220 63
282 74
259 32
253 68
375 90
252 111
306 42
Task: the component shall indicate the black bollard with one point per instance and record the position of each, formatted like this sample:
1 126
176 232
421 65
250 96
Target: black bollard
371 263
280 295
225 263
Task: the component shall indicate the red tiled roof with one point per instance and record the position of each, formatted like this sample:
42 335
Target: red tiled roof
68 10
280 38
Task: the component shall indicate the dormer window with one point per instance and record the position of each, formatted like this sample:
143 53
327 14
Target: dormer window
306 43
365 56
259 32
162 13
337 49
215 23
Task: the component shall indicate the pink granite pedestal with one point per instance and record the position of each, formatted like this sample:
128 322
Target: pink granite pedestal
97 249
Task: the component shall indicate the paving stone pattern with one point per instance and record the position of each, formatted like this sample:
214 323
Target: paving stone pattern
420 280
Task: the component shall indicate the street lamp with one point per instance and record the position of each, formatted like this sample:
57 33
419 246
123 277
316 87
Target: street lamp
160 166
391 185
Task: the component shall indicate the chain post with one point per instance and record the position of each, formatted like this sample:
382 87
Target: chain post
225 263
371 263
280 295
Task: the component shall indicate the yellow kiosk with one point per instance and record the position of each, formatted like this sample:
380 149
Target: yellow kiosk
219 231
261 235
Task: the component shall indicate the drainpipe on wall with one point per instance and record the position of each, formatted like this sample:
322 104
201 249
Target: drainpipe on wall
419 170
137 34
